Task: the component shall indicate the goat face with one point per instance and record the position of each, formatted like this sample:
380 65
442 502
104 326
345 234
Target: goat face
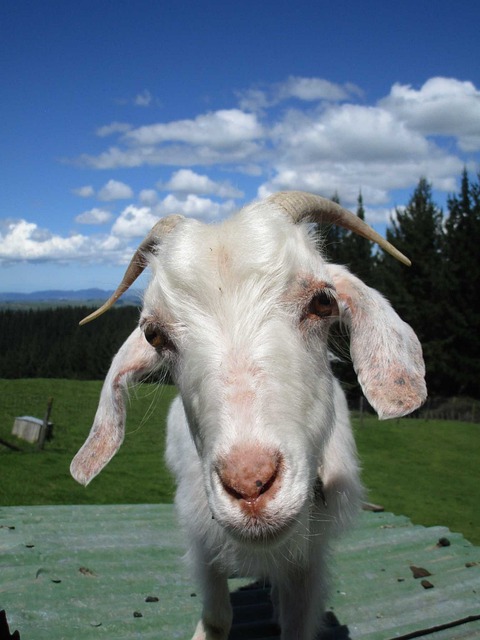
245 336
240 313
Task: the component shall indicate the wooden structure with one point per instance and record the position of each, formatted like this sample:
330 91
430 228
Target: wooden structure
32 429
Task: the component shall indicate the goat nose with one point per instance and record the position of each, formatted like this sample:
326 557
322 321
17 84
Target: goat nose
249 471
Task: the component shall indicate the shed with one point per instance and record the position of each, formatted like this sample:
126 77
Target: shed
90 572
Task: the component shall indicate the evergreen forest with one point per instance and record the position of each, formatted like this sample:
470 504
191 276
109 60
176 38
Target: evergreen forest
438 296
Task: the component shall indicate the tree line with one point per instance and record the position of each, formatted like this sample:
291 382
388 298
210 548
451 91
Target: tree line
438 296
49 343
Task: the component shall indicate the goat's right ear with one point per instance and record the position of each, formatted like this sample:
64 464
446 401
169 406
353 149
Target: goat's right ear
135 359
386 353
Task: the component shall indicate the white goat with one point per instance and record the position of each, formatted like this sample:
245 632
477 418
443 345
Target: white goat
259 439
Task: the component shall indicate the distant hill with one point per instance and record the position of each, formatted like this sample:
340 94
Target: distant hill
60 297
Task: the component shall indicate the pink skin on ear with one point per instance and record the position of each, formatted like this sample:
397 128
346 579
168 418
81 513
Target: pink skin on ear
134 359
386 353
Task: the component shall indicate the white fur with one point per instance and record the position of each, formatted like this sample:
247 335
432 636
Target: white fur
253 373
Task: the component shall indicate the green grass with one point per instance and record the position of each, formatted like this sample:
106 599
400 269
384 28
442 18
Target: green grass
426 470
135 475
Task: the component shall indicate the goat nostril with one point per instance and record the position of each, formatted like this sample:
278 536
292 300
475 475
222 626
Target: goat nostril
246 474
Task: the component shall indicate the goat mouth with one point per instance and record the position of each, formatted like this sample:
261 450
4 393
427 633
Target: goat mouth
260 530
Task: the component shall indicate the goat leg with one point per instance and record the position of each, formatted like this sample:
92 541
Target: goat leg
217 610
301 597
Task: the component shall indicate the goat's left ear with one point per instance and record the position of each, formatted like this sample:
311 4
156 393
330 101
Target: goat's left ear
386 353
135 359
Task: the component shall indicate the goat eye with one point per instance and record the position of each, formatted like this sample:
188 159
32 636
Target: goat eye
322 305
155 336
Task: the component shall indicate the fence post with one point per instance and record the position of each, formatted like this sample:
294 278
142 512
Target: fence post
44 429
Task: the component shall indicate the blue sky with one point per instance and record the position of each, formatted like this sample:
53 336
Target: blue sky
114 113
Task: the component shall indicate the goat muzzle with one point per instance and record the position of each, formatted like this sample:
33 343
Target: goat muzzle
251 475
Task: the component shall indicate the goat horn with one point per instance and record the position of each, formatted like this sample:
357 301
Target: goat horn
138 262
301 206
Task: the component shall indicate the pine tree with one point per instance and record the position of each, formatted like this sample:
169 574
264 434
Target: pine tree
463 259
332 238
357 252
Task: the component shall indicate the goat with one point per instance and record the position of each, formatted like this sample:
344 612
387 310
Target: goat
259 438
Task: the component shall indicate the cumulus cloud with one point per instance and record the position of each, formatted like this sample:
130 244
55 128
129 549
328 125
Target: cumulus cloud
172 155
94 216
115 190
84 192
136 221
148 197
195 206
114 127
143 99
224 136
349 132
302 133
375 179
346 147
219 129
308 133
299 88
187 181
21 241
314 89
442 106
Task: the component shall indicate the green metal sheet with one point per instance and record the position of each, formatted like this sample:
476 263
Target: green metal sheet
85 572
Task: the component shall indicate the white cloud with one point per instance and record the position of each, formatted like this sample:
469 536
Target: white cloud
148 197
348 147
135 221
94 216
442 106
84 192
115 190
114 127
21 241
143 99
187 181
315 89
375 179
297 87
380 215
220 137
254 99
172 155
347 132
195 206
329 142
219 129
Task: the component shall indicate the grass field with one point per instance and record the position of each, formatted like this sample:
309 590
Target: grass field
426 470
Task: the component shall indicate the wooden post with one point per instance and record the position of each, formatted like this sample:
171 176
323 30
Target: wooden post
43 431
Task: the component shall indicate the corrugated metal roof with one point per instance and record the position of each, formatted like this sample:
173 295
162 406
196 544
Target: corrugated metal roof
88 572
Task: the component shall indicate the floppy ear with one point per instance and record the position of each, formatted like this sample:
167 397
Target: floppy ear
386 353
135 359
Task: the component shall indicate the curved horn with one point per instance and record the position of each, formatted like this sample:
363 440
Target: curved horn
302 206
138 262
